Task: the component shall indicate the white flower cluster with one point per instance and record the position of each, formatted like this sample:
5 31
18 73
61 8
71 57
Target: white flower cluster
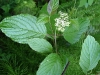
62 21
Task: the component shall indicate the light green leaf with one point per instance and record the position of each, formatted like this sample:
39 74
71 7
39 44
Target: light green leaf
90 54
86 5
51 65
52 6
40 45
21 28
82 3
43 18
77 27
90 2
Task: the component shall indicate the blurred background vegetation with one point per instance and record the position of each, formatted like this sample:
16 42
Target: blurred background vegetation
19 59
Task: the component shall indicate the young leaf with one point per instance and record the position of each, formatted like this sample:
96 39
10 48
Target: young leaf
90 54
23 27
43 18
77 27
52 6
40 45
51 65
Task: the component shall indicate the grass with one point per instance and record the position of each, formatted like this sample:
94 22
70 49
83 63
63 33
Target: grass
73 52
19 59
73 55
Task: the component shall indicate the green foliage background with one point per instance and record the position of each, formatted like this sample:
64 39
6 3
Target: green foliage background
18 59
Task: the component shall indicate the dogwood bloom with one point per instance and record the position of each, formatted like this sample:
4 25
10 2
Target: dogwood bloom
62 21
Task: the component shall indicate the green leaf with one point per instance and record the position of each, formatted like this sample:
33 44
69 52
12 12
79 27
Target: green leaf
86 5
43 18
52 6
90 2
50 25
51 65
40 45
82 3
21 28
44 9
6 8
90 54
77 27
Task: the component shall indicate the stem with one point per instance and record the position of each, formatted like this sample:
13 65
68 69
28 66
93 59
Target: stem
50 25
55 41
55 35
74 3
75 8
86 73
65 68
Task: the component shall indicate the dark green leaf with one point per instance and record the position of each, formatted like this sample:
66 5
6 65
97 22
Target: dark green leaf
44 10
